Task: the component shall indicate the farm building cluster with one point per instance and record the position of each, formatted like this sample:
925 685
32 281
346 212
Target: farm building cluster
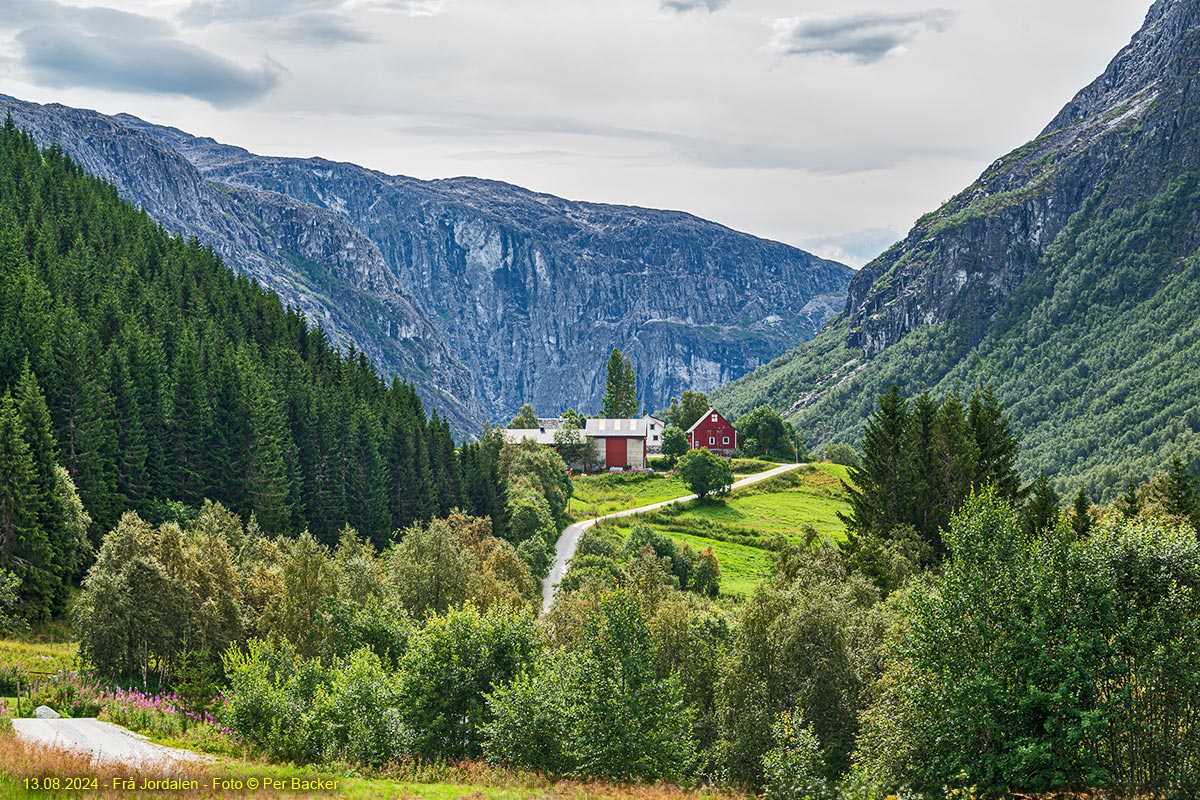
629 443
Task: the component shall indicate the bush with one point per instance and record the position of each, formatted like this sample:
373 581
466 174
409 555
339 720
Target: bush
451 664
794 768
661 463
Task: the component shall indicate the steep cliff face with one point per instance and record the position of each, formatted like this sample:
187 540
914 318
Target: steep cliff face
1062 277
485 295
534 291
311 257
962 261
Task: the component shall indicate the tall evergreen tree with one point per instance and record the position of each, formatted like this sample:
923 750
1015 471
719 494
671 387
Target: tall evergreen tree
1180 495
878 490
24 547
996 444
620 393
1041 510
1081 514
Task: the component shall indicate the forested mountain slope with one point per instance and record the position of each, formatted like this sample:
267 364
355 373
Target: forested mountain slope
483 294
313 259
169 378
1066 277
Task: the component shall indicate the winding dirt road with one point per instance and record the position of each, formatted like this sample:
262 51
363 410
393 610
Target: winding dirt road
568 541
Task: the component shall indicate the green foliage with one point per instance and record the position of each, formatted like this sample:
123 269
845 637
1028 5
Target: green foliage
146 368
804 646
685 411
794 769
674 442
1041 509
1081 514
450 665
1180 495
763 433
707 580
841 453
525 419
920 461
572 445
10 619
1028 666
620 392
705 473
1091 355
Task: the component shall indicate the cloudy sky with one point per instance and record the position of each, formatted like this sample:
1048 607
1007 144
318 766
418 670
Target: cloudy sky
828 124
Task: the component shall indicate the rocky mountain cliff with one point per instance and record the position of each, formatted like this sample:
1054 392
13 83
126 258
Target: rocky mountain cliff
312 258
1061 277
485 294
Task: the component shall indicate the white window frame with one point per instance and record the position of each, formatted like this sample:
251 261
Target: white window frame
724 440
712 440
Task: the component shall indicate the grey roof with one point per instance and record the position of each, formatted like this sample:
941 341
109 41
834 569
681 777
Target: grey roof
607 428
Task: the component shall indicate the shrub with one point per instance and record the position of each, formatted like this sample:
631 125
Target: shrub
794 768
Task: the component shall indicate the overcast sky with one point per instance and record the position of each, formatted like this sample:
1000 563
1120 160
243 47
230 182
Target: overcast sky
828 125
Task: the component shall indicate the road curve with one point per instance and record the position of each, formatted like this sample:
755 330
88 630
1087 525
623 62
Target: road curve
568 540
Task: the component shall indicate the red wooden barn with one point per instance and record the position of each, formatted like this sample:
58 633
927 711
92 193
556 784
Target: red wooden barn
714 432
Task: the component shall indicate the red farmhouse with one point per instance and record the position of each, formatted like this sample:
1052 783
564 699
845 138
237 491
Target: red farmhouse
714 432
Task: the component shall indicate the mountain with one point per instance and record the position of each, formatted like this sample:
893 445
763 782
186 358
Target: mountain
1066 277
312 258
485 295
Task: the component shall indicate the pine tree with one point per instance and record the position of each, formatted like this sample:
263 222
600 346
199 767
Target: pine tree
620 393
927 510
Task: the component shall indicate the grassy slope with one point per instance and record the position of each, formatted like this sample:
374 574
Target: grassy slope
32 656
743 529
596 495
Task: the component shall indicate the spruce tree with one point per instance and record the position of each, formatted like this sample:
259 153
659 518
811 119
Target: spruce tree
957 459
620 393
24 547
879 489
1180 496
1081 514
996 444
1041 509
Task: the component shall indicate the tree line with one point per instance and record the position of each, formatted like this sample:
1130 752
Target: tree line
165 379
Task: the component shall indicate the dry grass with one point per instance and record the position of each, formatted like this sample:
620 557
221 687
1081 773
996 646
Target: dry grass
475 780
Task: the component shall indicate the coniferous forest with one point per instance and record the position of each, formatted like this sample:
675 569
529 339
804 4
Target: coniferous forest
156 376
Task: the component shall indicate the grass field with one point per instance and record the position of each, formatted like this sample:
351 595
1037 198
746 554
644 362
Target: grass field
33 656
596 495
748 527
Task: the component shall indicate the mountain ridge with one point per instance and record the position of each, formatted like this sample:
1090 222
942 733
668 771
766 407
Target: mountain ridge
1082 235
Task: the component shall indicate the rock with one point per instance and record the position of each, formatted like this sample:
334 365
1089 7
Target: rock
46 712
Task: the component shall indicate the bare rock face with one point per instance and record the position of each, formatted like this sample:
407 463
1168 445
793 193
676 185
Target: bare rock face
960 262
485 295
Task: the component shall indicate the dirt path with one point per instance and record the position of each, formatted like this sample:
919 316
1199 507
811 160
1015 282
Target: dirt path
564 549
103 741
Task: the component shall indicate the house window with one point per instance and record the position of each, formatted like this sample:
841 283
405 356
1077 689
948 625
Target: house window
712 440
714 418
724 440
656 438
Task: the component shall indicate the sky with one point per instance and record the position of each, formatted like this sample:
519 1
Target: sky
827 124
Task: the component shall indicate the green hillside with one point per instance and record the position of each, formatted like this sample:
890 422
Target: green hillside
746 529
